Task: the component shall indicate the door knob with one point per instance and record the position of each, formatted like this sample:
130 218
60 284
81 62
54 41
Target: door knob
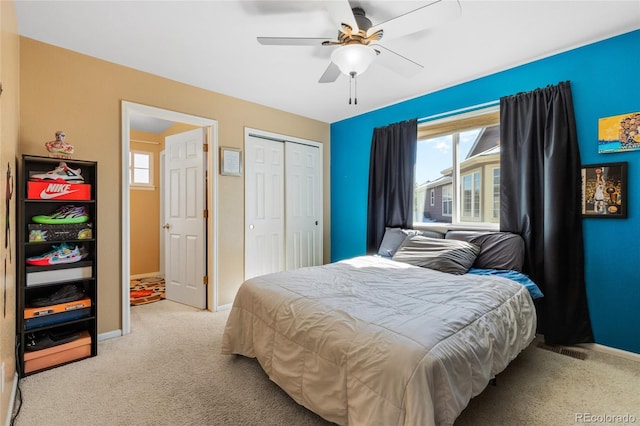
251 226
166 226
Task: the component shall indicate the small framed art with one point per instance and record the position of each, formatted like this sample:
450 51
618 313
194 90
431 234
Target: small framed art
230 161
604 190
619 133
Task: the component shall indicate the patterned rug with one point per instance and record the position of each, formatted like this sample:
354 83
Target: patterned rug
146 290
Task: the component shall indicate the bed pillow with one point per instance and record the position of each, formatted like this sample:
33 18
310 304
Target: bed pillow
393 237
451 256
516 276
498 250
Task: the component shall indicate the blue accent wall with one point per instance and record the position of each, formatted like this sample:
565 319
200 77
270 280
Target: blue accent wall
604 80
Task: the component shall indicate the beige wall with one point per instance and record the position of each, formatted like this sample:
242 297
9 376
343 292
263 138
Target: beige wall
64 90
145 210
9 130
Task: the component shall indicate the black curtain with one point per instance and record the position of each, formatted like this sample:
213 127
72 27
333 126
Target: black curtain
540 200
391 180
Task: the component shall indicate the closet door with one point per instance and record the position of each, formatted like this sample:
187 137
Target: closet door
303 205
264 232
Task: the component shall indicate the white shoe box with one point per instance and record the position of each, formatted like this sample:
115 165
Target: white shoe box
57 275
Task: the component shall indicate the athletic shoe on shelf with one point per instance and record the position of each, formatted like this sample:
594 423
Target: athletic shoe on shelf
67 293
60 254
62 174
64 215
49 338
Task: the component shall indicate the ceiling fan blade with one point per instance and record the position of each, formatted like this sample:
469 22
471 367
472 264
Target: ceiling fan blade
427 16
291 41
341 13
396 62
331 74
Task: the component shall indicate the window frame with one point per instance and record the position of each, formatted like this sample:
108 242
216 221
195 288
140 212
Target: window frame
132 167
454 123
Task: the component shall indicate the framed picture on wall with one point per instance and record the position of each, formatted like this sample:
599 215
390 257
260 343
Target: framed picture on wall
230 161
604 190
619 133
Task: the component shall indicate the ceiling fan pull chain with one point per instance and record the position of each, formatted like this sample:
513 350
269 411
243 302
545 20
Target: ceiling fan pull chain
353 80
355 90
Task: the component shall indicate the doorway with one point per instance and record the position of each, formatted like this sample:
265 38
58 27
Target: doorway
130 112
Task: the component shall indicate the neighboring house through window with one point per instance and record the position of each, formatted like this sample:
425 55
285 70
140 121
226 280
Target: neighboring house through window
458 163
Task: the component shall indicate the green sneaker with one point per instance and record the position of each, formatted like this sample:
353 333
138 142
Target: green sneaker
64 216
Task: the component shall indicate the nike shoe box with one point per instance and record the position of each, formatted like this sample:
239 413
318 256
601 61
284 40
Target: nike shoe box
55 314
57 318
35 277
58 191
57 308
41 232
56 355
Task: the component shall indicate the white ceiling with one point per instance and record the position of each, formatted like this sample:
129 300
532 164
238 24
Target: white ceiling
212 44
146 123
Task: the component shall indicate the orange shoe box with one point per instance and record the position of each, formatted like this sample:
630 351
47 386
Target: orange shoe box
56 355
56 309
58 191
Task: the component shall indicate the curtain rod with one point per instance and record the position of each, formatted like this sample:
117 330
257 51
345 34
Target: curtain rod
459 111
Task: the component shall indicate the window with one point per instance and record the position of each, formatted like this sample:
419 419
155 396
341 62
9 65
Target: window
471 196
447 200
496 193
458 162
141 169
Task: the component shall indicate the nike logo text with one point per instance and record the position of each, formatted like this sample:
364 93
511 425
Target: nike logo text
54 190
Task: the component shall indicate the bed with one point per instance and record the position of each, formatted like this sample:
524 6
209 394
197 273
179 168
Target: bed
377 340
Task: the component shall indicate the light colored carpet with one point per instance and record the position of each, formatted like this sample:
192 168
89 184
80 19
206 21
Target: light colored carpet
169 371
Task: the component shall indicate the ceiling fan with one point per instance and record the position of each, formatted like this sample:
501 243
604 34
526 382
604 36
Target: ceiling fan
359 39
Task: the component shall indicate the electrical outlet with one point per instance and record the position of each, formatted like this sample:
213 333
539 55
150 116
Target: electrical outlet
2 378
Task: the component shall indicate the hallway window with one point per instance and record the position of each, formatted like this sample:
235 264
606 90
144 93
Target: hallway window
141 170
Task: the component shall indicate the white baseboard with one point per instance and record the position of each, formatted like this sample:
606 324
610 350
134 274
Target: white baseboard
145 275
224 307
611 351
109 335
12 400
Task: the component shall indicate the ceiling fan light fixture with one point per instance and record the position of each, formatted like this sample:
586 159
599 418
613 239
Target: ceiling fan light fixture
353 58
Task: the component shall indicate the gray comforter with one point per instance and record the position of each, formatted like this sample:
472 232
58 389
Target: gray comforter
370 341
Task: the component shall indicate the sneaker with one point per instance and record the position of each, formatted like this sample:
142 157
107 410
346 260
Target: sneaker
62 174
67 293
64 215
50 338
60 254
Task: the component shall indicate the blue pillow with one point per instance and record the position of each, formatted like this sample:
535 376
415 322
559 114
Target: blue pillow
518 277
